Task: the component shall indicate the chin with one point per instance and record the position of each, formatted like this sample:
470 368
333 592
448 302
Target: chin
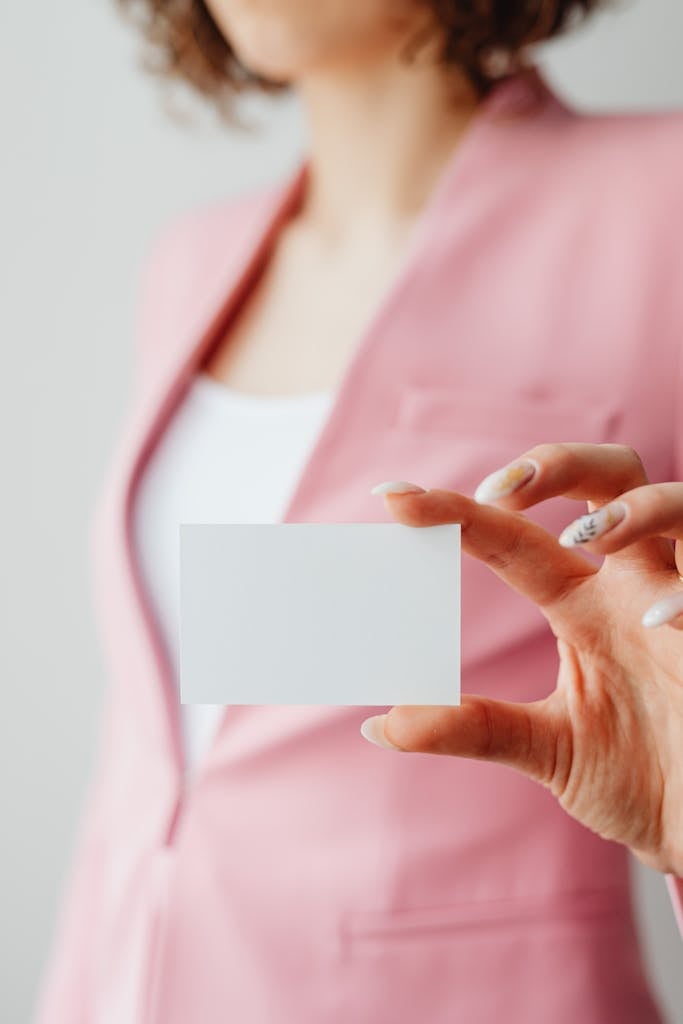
270 56
283 39
277 39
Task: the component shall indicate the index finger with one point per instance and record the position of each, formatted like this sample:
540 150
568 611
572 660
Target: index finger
522 553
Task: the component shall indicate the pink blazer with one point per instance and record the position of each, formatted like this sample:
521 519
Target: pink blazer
308 876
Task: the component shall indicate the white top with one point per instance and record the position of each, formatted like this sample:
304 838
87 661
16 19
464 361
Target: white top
225 457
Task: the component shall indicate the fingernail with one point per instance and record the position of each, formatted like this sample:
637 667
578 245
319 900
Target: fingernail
664 611
373 730
505 481
592 525
397 487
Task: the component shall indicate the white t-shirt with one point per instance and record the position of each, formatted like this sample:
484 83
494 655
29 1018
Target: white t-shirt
225 457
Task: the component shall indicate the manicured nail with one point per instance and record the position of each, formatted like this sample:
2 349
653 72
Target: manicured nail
373 730
397 487
592 525
664 611
505 481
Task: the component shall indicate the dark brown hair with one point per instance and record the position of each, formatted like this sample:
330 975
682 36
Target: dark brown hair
481 36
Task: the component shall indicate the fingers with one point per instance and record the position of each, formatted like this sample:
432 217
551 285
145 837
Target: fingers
590 472
655 510
598 474
521 552
523 736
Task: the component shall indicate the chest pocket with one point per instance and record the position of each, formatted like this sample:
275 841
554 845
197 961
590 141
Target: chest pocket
502 419
460 434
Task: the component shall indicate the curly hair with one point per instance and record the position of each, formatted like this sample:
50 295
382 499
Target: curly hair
479 36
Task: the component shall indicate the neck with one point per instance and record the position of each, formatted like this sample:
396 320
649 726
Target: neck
378 141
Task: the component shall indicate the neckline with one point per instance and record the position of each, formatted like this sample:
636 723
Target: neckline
259 401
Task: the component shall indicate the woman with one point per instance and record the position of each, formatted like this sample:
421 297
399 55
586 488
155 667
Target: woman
462 264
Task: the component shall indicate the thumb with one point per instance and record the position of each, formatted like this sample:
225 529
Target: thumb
522 736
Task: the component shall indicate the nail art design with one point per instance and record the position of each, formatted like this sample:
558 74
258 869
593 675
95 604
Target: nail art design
505 481
663 611
592 525
397 487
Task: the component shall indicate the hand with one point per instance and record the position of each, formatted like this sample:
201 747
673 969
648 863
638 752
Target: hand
608 742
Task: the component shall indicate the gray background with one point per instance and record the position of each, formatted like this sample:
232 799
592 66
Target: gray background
91 168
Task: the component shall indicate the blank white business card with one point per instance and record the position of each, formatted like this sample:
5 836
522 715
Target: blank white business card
319 613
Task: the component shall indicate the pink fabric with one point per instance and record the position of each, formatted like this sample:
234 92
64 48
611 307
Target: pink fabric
308 876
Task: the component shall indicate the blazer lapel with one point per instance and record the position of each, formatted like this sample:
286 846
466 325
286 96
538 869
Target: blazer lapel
176 355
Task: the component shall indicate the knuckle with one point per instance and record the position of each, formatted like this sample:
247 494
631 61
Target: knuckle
633 462
566 461
551 452
485 745
501 558
654 496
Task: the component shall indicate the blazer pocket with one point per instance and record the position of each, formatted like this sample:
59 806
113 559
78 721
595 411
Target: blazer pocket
460 412
445 919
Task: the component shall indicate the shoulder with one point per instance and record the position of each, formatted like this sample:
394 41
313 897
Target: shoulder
187 259
195 247
199 232
639 151
609 178
626 170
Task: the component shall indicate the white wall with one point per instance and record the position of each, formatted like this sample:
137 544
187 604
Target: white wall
90 168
